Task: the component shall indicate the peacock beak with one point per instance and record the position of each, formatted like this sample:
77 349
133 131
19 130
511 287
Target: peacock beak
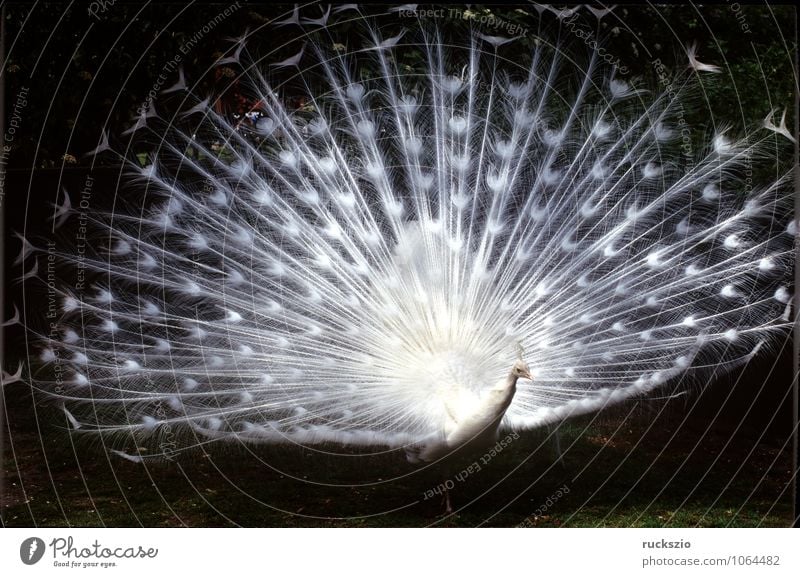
527 375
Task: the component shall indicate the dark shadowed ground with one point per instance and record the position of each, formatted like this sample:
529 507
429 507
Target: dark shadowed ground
641 465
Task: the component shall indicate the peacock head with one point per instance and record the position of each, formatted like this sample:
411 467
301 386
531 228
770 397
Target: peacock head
521 370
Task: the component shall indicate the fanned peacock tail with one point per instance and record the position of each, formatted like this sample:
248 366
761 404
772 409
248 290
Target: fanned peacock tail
338 271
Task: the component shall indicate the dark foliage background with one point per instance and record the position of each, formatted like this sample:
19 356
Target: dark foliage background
91 73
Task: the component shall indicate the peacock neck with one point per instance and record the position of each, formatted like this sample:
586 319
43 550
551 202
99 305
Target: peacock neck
511 383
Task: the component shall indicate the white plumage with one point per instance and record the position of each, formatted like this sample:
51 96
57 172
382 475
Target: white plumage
363 269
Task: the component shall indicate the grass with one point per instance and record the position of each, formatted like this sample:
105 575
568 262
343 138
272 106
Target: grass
621 470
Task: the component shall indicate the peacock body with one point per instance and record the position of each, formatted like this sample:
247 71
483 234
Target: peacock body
366 267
